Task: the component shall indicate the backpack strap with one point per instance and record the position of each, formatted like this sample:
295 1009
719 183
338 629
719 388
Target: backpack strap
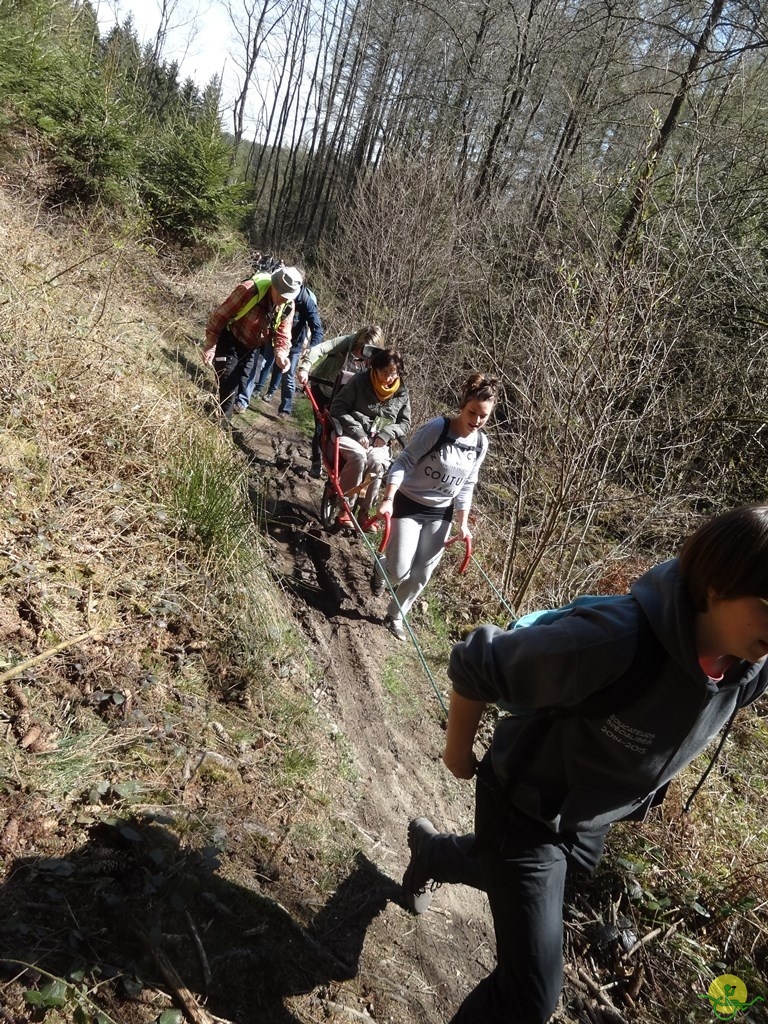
439 442
444 437
280 313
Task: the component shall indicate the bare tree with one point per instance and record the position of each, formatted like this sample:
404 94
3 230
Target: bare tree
659 144
252 22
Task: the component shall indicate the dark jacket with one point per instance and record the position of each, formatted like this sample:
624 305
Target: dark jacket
579 773
306 315
360 414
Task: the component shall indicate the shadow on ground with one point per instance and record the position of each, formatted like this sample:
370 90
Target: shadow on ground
134 906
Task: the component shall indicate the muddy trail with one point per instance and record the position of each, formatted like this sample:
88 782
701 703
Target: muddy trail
416 970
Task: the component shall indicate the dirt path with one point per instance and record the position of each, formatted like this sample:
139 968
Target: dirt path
415 970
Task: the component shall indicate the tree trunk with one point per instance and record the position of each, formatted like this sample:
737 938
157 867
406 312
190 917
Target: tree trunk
646 175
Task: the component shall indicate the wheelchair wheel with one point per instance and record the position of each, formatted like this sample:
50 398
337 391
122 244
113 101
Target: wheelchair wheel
329 506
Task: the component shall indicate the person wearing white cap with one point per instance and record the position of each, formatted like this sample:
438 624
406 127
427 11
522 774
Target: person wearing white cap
258 312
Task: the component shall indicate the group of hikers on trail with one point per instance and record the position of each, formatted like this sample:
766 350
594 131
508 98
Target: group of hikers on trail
611 698
361 383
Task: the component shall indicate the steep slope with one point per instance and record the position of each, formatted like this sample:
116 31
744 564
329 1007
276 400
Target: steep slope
175 828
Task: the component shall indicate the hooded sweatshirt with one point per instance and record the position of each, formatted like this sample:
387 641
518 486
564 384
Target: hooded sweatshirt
578 773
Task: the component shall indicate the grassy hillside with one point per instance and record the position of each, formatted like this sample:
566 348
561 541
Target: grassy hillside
150 668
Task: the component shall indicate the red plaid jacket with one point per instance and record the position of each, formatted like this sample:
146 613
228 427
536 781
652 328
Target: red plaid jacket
264 323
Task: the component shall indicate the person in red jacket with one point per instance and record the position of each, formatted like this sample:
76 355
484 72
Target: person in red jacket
258 312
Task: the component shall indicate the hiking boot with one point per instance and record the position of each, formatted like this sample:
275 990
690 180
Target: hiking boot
395 627
377 584
316 470
418 884
266 398
240 407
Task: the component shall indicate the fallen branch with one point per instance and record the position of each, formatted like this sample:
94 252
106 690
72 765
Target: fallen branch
348 1009
30 662
189 1005
74 266
649 936
200 950
606 1008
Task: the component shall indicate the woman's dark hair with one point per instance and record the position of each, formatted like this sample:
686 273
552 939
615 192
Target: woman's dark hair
384 356
477 387
729 555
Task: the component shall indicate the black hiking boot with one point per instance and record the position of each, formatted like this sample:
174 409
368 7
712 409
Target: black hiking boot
418 884
377 583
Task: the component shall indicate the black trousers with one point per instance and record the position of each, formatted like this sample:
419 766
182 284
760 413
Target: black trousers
232 362
521 865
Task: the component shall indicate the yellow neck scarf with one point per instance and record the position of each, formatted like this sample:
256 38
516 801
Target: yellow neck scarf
384 393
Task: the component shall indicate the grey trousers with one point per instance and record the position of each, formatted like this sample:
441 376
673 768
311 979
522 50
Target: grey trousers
416 545
359 461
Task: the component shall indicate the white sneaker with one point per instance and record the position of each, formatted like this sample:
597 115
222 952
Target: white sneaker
395 627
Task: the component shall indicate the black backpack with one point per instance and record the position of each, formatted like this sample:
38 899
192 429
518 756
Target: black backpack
264 263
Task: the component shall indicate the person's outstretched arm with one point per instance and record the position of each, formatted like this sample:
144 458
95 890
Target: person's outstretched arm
463 719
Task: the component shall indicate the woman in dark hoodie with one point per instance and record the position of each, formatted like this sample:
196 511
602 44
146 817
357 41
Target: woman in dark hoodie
372 410
624 694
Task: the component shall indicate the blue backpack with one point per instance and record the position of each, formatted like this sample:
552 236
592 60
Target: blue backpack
544 615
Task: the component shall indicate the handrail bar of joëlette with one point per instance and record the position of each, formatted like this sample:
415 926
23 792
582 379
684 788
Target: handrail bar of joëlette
467 550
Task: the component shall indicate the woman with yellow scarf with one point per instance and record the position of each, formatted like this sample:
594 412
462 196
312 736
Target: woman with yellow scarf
371 410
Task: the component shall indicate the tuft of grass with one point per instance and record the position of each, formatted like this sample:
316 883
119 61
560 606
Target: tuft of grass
303 416
397 674
208 493
79 762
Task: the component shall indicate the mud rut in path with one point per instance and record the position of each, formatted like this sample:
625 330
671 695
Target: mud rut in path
415 970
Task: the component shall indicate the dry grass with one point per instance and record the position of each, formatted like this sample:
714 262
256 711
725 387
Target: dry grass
149 667
127 515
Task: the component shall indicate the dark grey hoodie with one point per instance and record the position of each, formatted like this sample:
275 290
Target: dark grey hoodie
580 774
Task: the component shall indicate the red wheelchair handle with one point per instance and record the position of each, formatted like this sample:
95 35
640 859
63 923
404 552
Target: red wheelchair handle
467 552
386 516
308 392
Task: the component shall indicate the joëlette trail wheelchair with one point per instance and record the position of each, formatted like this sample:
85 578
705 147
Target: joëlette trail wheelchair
334 500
